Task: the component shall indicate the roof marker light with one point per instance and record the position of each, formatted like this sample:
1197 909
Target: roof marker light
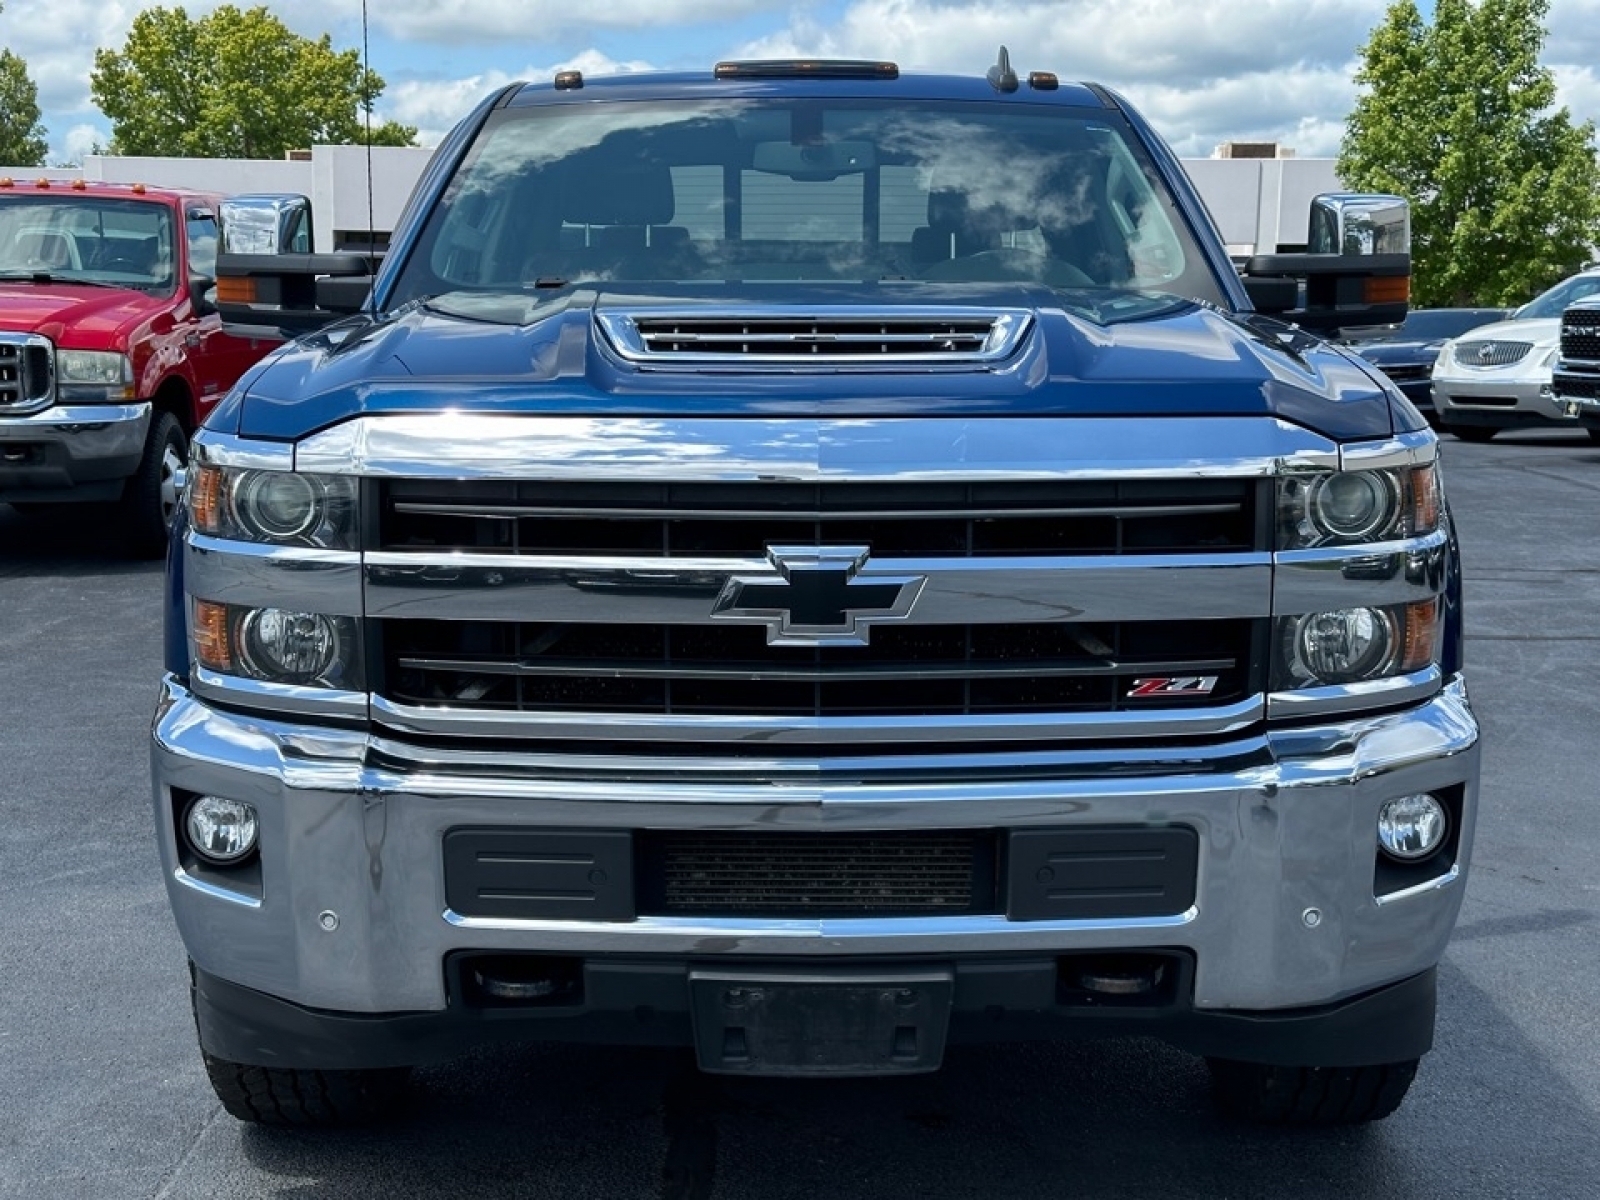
568 81
1043 81
807 68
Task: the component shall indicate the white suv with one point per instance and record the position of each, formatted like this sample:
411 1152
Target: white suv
1498 376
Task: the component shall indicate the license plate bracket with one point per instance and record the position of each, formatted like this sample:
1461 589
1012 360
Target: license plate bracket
821 1023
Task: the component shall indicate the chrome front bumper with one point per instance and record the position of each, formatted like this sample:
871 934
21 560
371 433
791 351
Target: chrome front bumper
1534 400
349 913
70 446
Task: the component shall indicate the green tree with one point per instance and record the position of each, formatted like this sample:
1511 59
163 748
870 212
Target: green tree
1460 118
233 84
22 141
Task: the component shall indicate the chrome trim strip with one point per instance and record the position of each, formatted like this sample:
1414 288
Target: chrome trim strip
215 892
631 449
1353 697
782 730
1341 751
1007 328
843 928
464 760
42 399
1416 449
225 450
991 591
261 576
1374 575
1422 889
278 697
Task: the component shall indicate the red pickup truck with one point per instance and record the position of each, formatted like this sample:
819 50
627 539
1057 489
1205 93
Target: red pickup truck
111 352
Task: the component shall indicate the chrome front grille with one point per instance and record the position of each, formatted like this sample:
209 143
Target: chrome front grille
796 337
26 372
1491 353
551 601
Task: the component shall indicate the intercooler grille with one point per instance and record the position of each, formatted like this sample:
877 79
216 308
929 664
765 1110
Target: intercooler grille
893 519
731 670
1407 374
1580 334
796 874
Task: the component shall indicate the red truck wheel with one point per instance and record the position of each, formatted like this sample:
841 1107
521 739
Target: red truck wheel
150 498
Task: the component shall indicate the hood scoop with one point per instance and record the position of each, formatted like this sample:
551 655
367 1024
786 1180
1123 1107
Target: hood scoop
844 338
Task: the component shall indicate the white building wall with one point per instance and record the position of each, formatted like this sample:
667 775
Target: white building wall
1259 204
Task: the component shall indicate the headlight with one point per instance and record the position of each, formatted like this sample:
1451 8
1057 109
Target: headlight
1353 644
1341 508
277 645
277 507
94 376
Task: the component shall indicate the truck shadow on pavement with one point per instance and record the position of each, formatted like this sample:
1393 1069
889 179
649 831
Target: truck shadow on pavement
1488 1116
72 540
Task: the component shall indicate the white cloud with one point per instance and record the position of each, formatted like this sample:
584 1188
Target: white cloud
457 22
1206 71
435 105
81 140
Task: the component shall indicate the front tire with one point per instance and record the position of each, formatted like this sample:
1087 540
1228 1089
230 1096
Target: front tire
305 1099
1309 1097
150 497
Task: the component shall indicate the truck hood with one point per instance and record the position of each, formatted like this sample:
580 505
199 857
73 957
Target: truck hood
79 315
1085 354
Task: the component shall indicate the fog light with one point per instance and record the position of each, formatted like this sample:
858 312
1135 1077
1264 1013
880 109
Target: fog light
1412 827
220 830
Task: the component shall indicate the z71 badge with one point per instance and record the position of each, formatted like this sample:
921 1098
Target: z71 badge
1175 685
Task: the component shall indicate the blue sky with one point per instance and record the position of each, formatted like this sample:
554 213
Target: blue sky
1204 71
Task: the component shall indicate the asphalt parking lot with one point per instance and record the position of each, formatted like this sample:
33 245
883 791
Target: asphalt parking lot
102 1094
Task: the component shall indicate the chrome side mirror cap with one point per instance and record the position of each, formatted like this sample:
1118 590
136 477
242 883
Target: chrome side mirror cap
275 223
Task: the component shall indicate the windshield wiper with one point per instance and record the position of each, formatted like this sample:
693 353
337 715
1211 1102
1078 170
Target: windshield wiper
48 277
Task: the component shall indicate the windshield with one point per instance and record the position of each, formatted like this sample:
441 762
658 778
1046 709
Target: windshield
807 191
1555 301
126 243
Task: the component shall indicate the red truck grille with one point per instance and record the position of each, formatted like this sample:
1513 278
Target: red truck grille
25 375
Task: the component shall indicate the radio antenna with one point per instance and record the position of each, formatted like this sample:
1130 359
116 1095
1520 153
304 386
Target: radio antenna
372 223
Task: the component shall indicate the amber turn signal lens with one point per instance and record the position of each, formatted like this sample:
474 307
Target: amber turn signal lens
236 289
212 646
205 498
1422 635
1424 499
1388 289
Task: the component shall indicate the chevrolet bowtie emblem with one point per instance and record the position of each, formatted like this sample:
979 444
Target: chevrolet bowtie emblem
817 596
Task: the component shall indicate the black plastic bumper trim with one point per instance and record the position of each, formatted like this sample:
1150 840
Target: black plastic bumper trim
647 1002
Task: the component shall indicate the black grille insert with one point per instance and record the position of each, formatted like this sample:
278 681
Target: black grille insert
1580 334
1065 517
730 669
793 874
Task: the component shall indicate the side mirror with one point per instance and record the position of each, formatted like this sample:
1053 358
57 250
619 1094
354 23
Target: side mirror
268 223
202 295
1356 269
269 283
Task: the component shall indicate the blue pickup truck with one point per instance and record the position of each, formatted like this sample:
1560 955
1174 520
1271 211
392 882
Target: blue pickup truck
812 563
